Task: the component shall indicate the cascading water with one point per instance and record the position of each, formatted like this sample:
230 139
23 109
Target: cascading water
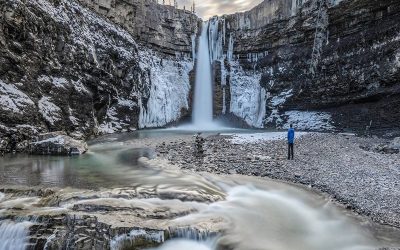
276 219
203 100
13 235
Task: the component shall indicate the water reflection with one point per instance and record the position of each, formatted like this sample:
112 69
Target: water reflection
113 161
101 167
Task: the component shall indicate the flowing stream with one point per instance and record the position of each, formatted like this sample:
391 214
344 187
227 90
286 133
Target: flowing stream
117 183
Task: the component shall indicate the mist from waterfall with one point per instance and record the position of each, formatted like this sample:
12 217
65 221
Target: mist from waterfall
202 114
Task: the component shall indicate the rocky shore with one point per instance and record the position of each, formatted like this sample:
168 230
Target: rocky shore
352 170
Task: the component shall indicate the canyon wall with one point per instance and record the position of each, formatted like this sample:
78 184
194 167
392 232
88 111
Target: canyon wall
92 67
318 64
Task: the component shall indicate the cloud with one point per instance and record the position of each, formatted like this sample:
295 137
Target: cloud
208 8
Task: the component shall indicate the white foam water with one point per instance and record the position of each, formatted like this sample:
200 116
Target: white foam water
14 235
281 219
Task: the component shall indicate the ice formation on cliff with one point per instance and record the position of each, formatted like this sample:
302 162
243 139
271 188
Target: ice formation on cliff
248 98
169 89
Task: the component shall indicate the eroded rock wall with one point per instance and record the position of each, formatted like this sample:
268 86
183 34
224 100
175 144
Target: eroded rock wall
64 66
161 27
322 65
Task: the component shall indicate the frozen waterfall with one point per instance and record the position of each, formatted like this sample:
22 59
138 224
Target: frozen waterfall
202 114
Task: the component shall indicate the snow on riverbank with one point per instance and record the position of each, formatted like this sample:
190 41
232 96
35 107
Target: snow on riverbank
260 137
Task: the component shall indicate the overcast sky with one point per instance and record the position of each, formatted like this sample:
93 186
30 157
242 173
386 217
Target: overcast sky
208 8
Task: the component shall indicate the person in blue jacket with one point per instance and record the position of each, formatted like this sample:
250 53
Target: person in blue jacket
290 137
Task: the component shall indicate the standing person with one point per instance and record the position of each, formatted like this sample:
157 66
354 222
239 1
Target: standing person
290 136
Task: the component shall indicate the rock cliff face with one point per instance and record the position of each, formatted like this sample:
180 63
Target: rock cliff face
319 64
161 27
92 67
88 67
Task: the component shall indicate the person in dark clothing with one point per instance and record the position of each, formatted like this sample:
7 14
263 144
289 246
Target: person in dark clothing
290 136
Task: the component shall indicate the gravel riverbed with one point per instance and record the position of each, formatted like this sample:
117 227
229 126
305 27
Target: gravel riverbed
365 181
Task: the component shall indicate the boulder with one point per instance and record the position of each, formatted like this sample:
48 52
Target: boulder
395 144
57 143
389 148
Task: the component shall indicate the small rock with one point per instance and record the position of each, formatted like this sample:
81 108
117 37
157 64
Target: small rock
57 143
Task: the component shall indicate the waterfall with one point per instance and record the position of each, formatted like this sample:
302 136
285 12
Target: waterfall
189 233
14 235
203 96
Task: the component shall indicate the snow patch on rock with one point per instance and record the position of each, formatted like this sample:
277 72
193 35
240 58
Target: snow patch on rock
127 103
303 120
82 32
281 98
58 82
111 124
306 120
34 129
49 111
274 103
12 99
56 140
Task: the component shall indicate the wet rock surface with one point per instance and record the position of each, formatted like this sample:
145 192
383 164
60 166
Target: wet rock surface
367 182
123 218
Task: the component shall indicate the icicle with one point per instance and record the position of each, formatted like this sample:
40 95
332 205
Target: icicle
224 31
223 73
215 39
230 48
224 101
193 47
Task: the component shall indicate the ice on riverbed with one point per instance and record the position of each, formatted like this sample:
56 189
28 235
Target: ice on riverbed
259 137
